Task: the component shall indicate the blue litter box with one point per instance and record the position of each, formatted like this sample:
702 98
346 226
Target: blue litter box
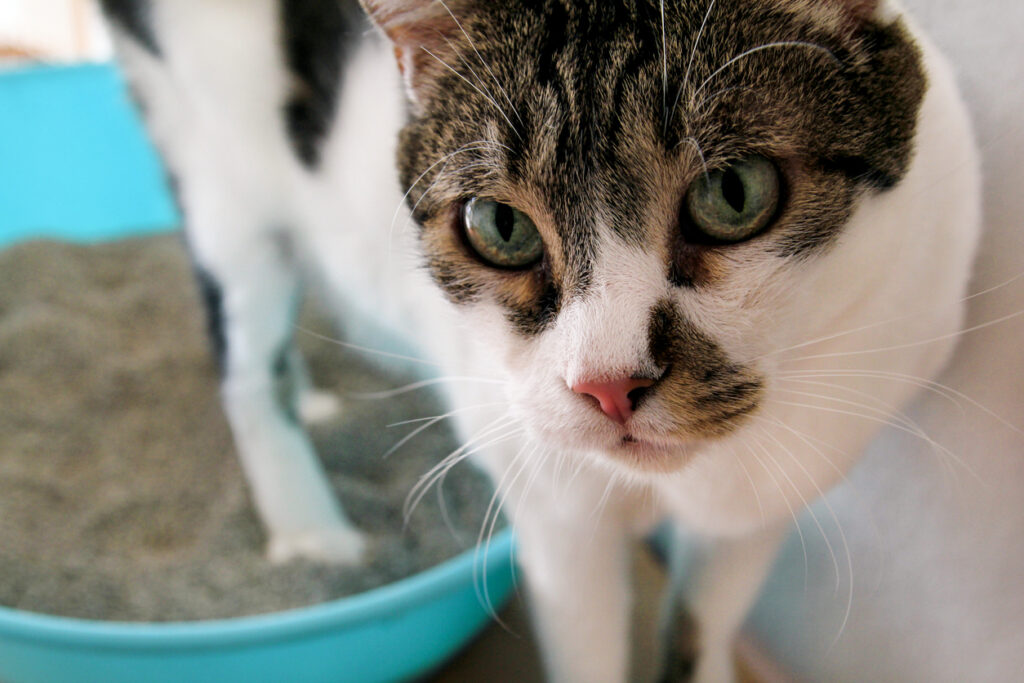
77 166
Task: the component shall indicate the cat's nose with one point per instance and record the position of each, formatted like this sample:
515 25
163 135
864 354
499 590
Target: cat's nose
617 398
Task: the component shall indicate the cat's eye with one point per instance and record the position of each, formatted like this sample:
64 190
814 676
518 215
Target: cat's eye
735 203
501 235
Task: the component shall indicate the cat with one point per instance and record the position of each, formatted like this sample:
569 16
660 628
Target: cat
626 228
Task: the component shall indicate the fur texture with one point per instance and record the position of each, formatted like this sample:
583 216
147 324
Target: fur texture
594 119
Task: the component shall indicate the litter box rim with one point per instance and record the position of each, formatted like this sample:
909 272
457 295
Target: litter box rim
384 603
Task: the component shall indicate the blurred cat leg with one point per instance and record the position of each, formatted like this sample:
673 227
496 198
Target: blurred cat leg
723 580
312 405
255 287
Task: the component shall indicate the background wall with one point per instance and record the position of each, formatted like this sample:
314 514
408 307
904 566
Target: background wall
937 552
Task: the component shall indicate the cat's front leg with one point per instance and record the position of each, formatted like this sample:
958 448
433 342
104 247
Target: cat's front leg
722 579
573 550
252 290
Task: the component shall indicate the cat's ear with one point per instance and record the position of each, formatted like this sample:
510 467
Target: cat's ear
859 12
423 34
846 16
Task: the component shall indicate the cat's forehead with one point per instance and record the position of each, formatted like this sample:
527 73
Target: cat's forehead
595 117
592 96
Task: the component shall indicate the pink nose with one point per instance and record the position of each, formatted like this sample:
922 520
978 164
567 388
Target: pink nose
614 396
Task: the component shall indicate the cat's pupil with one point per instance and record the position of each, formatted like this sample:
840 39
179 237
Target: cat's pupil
732 190
504 220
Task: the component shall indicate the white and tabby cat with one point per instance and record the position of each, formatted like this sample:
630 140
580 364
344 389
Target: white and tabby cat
636 218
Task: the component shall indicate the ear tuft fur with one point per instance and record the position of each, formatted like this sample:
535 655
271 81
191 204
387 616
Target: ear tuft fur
861 10
423 33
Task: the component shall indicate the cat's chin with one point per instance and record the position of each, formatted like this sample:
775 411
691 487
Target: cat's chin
636 453
649 456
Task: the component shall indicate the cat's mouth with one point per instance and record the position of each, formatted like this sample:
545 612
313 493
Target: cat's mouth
650 455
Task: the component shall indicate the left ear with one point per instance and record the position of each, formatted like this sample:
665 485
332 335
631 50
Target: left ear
859 10
423 33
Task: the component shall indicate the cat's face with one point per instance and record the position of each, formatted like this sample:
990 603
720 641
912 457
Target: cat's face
630 199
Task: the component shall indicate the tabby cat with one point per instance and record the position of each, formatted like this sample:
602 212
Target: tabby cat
625 228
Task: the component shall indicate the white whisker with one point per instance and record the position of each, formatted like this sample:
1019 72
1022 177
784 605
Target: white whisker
944 390
459 454
468 147
451 413
664 70
500 491
789 506
842 536
364 349
689 65
482 61
391 393
890 321
910 345
470 84
889 423
753 487
692 141
807 439
759 48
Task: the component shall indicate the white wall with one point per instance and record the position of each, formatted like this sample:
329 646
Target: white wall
937 555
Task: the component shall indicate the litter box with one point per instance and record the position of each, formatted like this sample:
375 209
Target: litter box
78 167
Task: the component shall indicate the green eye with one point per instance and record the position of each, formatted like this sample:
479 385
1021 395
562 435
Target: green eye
501 235
735 203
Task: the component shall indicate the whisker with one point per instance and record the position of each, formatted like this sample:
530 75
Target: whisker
759 48
438 473
806 503
500 491
451 413
482 61
692 141
890 321
468 147
807 439
889 423
886 410
917 382
842 536
789 506
664 71
363 349
909 345
700 106
457 455
391 393
753 487
482 93
944 390
430 422
689 64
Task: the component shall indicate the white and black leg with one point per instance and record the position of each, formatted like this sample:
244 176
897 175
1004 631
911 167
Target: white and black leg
252 292
720 582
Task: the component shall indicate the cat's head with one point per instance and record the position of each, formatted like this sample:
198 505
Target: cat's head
631 198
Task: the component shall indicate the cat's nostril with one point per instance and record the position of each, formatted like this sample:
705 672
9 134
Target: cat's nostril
636 396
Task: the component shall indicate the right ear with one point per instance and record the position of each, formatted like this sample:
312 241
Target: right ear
423 34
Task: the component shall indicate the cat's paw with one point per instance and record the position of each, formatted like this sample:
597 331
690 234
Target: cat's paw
316 405
336 545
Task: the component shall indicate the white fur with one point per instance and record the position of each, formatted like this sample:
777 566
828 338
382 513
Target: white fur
895 279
